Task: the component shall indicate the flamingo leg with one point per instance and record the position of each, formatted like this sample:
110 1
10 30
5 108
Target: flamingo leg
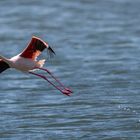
67 89
45 78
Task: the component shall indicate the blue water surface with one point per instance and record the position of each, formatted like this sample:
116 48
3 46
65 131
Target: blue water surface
97 44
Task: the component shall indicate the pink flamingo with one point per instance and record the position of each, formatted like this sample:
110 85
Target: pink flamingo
27 62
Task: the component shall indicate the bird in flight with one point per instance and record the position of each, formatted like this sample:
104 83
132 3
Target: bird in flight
27 62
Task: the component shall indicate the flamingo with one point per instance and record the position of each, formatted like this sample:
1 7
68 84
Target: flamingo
27 62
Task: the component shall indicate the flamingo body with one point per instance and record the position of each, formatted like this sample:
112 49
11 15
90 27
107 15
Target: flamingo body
27 61
23 64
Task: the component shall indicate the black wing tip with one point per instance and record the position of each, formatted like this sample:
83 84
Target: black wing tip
51 50
44 45
3 66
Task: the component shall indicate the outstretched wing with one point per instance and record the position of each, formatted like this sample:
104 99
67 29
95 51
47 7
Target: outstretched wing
35 47
3 66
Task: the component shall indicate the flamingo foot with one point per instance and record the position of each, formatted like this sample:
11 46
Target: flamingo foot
66 92
65 88
69 90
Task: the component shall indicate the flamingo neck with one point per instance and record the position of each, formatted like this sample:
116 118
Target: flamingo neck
5 59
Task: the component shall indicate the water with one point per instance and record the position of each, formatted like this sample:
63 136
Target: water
97 43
